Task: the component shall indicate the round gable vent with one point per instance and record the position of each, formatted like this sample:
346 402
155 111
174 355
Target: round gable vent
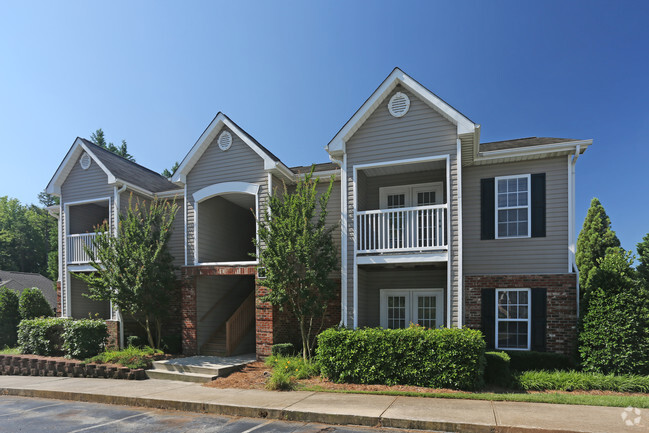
225 140
399 104
85 161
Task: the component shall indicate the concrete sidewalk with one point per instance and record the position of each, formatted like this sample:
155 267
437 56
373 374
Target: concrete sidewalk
346 409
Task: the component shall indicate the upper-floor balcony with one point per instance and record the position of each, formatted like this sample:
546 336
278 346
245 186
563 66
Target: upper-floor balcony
402 208
82 225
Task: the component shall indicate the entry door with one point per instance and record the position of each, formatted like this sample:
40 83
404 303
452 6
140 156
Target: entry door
400 307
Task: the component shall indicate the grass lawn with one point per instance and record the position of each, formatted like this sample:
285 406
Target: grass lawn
613 400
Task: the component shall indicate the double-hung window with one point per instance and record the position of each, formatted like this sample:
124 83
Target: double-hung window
513 219
513 325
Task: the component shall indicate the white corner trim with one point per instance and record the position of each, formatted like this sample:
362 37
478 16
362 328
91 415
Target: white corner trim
225 188
185 217
449 237
344 191
355 241
460 270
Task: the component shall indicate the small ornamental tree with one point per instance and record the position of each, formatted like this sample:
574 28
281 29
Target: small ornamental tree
615 329
298 254
595 238
9 317
134 270
33 304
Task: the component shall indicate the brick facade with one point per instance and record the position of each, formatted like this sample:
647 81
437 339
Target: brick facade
561 330
113 334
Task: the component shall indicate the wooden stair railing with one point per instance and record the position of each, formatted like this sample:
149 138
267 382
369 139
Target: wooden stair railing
232 293
239 324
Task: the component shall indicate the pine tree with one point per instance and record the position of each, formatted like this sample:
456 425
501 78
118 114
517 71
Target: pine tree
643 257
168 173
99 139
595 238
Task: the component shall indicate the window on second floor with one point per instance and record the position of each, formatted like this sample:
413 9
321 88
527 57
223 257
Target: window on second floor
513 206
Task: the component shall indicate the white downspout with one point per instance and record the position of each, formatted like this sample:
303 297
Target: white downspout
115 232
460 270
343 237
571 211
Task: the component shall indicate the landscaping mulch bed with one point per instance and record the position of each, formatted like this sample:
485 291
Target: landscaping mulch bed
255 375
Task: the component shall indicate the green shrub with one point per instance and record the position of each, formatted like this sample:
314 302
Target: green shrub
131 357
172 343
294 366
439 358
33 304
615 328
84 338
497 370
283 349
9 317
280 381
524 360
42 336
134 341
574 380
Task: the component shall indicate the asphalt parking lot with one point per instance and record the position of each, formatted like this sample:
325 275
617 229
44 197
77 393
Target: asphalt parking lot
32 415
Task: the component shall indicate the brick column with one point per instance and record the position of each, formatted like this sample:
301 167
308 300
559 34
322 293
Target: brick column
263 323
58 299
188 314
113 334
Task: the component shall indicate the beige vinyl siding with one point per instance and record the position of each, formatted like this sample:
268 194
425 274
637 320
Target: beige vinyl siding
374 279
82 306
422 132
80 185
548 254
238 164
333 210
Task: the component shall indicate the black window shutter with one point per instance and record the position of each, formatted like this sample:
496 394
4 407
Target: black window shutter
538 205
488 314
487 204
539 319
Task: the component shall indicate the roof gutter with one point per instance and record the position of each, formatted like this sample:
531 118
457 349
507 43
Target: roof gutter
533 150
571 219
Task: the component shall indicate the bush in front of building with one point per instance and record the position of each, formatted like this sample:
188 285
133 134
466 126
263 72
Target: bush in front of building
42 336
55 336
529 360
9 317
498 369
84 338
435 358
33 304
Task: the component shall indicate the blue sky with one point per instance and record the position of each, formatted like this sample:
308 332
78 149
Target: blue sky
292 73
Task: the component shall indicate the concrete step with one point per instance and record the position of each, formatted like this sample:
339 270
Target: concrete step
180 376
212 366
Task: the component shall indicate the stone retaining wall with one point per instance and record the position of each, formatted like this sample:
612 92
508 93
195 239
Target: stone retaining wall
43 366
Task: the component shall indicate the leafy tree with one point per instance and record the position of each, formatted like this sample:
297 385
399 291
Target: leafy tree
595 238
46 199
168 173
615 329
298 254
33 304
98 138
9 317
134 270
52 233
643 257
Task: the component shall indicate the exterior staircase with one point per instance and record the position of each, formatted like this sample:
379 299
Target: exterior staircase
228 337
198 368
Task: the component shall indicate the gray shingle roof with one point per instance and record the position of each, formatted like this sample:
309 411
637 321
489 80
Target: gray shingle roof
18 281
129 171
522 142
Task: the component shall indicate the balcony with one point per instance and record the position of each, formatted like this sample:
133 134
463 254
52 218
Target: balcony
76 246
409 229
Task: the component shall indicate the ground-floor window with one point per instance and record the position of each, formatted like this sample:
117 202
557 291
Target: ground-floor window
401 307
513 325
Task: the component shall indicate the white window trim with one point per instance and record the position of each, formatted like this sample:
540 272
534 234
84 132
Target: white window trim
529 205
410 295
529 318
409 191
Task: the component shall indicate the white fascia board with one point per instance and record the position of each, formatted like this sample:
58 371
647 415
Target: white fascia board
225 188
171 194
337 145
534 150
54 187
437 257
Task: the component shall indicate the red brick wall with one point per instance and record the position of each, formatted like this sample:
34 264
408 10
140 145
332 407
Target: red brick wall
561 331
58 299
189 321
113 334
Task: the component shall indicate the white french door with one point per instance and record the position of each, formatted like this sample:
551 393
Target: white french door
401 307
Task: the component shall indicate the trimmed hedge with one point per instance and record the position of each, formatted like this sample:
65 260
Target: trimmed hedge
84 338
575 380
58 336
43 336
497 370
282 349
435 358
33 304
524 361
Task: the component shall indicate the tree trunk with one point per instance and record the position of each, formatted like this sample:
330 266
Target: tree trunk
149 336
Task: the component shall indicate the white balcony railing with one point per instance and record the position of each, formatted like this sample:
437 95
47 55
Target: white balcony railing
75 246
421 228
